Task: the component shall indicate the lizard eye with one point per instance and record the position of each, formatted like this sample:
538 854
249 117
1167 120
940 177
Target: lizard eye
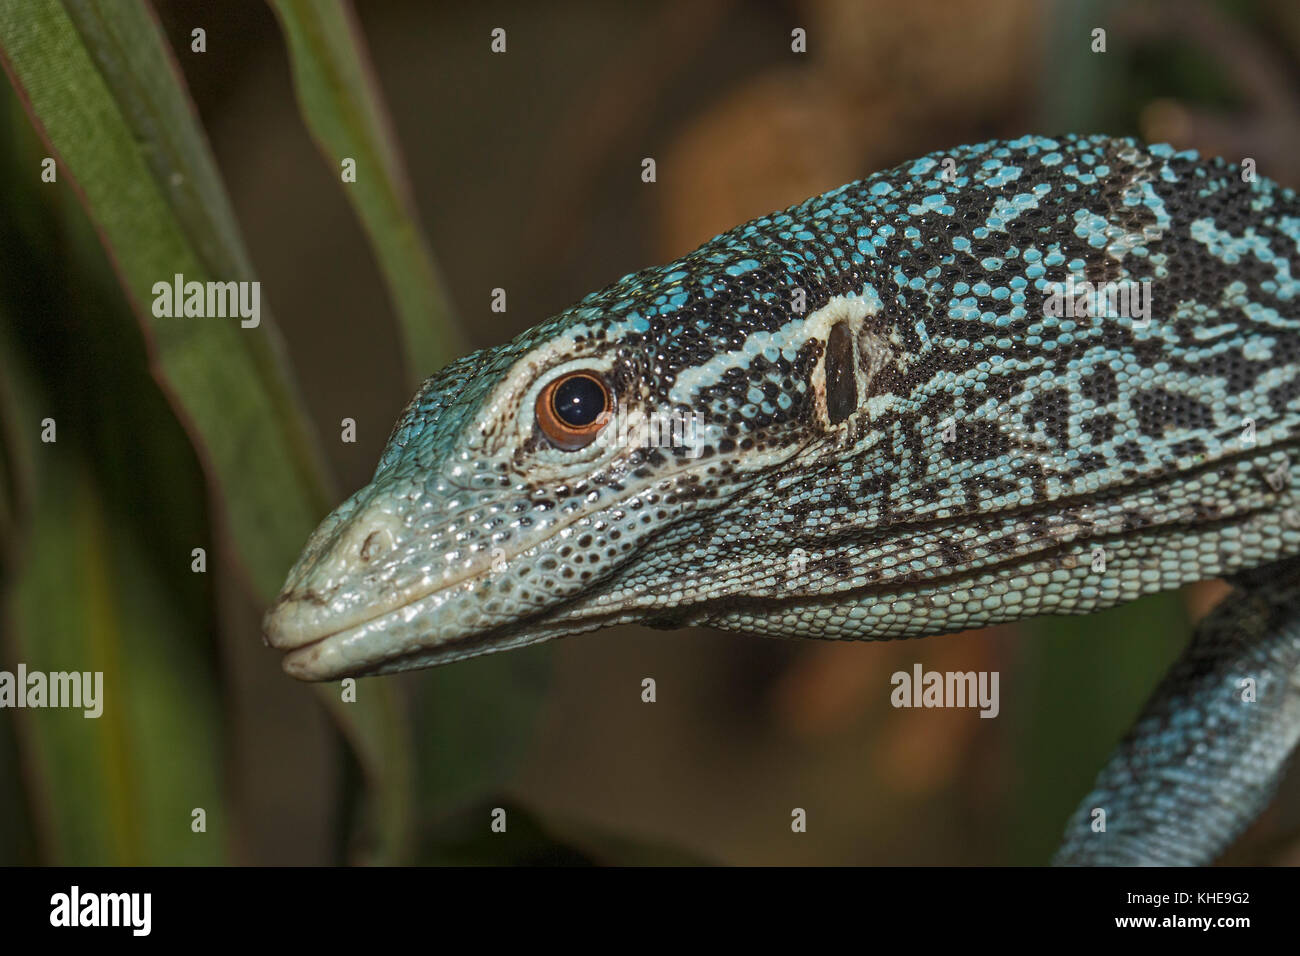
573 409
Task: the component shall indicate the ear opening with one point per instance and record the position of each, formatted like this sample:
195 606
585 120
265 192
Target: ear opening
841 373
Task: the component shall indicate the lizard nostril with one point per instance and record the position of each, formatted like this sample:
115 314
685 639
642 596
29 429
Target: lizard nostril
376 543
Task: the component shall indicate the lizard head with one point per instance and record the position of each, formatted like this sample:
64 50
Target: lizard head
546 486
866 416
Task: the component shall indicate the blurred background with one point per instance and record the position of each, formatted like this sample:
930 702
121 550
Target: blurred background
524 171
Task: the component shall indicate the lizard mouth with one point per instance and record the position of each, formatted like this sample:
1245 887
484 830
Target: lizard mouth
433 624
438 628
447 625
350 653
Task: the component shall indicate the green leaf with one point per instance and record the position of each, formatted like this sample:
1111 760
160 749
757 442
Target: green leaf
344 110
119 788
121 124
463 759
102 89
1088 678
379 732
17 841
458 760
92 597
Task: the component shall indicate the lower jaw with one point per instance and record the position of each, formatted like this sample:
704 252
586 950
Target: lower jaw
321 661
327 659
346 655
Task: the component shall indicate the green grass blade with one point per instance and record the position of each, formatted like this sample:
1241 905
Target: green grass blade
120 788
104 94
1089 677
91 595
341 103
247 419
344 110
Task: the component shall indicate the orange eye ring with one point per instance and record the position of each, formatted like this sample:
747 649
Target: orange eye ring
572 409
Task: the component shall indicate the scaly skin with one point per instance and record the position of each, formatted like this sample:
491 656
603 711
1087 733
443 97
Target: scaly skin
895 439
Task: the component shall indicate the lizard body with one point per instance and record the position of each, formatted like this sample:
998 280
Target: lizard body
892 415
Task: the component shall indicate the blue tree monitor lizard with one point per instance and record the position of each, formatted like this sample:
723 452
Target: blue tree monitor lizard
1040 376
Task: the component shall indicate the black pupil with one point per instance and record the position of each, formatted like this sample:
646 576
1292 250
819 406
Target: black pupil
579 401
